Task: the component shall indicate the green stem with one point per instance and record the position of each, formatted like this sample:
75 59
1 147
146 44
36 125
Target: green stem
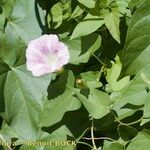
92 135
81 137
100 138
99 60
128 124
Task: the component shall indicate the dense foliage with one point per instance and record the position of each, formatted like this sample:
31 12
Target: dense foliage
100 99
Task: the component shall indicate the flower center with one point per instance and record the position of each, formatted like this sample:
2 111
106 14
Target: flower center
51 59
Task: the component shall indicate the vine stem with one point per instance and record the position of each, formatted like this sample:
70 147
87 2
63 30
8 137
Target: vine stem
5 142
99 60
100 138
92 135
128 124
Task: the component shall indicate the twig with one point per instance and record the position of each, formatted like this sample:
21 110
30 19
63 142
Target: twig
92 136
100 138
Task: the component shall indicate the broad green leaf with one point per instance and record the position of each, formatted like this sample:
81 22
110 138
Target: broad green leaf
141 141
137 47
112 21
88 25
55 109
82 49
91 79
135 93
57 14
113 146
113 75
89 3
23 21
123 7
7 7
74 47
97 103
12 49
11 54
24 101
77 12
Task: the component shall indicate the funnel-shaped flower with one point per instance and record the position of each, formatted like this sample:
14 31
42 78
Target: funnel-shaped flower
46 55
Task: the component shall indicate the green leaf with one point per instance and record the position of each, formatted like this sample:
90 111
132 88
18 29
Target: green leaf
141 141
77 12
8 133
97 103
56 108
135 3
3 72
123 7
135 93
24 101
23 20
89 3
12 49
113 74
82 49
112 21
91 79
113 146
146 111
67 9
57 14
137 47
7 7
88 25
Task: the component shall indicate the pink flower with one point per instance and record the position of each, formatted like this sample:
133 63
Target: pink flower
46 55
